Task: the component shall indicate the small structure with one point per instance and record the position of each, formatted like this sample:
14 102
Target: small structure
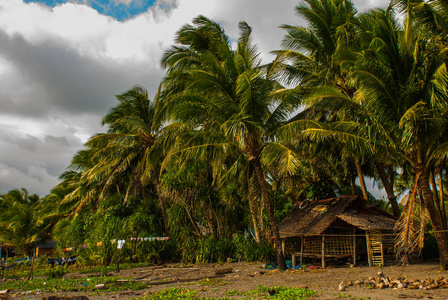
44 246
6 250
338 228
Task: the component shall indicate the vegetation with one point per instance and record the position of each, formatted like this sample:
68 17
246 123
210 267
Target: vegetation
228 144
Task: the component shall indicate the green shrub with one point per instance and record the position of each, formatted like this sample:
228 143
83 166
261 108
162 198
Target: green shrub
56 272
249 250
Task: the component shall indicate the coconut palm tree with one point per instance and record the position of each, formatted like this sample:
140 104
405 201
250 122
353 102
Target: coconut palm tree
223 96
22 222
409 99
317 56
126 159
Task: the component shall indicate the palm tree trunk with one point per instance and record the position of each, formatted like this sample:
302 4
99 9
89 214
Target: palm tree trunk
229 224
163 208
436 219
352 185
442 202
389 187
31 267
272 219
434 189
253 214
365 194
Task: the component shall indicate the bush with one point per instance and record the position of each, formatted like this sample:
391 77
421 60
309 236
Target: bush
204 250
56 272
249 250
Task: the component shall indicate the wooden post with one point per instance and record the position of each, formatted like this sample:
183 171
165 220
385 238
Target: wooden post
354 246
382 249
302 240
323 252
283 246
294 260
369 249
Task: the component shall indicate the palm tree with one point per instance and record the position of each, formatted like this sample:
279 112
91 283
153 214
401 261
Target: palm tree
410 85
317 56
22 222
223 96
127 158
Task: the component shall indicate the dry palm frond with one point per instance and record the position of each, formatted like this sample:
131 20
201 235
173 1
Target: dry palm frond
410 227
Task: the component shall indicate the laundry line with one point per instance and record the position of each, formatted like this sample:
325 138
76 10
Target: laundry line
121 242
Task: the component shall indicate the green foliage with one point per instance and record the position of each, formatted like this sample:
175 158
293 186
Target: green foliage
22 220
274 293
208 249
249 250
173 294
56 272
285 293
57 285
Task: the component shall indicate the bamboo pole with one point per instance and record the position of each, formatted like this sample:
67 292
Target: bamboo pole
323 251
302 240
354 246
369 249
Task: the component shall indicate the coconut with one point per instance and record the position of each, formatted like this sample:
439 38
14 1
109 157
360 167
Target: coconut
358 282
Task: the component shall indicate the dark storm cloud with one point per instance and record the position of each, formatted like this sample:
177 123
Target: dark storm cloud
62 79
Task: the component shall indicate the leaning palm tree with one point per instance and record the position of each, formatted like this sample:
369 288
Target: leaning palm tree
406 92
126 159
222 95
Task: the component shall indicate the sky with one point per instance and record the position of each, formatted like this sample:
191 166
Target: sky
63 61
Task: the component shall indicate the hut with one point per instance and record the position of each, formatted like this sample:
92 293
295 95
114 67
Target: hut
346 227
44 246
6 250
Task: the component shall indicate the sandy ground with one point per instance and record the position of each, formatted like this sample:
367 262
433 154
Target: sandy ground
248 276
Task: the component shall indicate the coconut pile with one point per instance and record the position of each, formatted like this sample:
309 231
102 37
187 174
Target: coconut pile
382 282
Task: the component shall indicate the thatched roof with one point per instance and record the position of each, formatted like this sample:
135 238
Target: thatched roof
317 216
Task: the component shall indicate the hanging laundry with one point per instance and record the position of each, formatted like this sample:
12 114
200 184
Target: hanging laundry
120 243
113 241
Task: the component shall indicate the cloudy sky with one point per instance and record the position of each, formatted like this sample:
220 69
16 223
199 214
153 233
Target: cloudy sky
62 62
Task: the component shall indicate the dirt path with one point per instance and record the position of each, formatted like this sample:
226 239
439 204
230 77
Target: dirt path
248 276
